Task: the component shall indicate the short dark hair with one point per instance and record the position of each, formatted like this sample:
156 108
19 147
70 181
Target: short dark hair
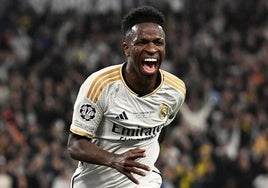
142 14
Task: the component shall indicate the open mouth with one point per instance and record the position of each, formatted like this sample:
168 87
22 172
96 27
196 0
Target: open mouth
149 65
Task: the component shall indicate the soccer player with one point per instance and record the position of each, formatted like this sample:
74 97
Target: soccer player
121 111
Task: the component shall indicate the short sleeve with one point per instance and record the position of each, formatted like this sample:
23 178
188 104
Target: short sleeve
86 113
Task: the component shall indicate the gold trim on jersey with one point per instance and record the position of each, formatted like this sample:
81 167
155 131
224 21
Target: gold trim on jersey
99 83
125 84
80 133
136 94
174 82
167 78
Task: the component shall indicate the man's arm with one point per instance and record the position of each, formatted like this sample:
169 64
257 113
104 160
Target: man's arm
82 149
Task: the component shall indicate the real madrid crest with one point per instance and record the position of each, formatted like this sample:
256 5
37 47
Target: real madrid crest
164 111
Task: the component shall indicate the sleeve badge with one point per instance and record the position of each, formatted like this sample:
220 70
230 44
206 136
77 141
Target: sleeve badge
87 112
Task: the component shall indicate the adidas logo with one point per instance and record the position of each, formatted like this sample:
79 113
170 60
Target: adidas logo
122 116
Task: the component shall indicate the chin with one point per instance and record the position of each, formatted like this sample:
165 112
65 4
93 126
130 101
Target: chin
149 75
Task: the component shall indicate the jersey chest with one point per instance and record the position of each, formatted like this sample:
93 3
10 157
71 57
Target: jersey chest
126 108
128 117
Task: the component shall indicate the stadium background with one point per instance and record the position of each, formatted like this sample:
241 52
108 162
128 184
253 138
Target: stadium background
218 47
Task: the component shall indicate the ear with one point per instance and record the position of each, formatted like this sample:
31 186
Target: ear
126 49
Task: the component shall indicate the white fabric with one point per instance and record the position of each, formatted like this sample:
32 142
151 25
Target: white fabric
118 120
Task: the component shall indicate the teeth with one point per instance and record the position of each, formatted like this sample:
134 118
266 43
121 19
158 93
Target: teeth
150 59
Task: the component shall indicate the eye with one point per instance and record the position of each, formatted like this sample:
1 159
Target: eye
159 42
141 42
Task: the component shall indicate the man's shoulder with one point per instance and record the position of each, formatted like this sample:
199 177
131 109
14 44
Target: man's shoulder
112 69
108 73
174 81
100 79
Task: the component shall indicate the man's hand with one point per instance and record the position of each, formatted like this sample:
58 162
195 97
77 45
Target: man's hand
82 149
126 164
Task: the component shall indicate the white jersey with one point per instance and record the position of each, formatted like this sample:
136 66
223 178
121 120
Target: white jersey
117 120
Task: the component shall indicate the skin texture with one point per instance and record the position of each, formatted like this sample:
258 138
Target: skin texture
82 149
144 40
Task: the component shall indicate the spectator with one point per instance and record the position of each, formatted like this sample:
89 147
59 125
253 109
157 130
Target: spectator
216 46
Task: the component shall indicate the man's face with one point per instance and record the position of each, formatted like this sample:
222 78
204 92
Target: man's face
145 48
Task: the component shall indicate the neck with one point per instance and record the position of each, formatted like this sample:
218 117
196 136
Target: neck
142 85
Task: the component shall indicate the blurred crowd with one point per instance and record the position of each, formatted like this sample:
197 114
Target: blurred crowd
218 47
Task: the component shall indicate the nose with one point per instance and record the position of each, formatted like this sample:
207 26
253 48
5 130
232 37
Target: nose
151 48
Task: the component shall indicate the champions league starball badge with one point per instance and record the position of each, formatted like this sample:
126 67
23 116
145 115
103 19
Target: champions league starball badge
87 112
